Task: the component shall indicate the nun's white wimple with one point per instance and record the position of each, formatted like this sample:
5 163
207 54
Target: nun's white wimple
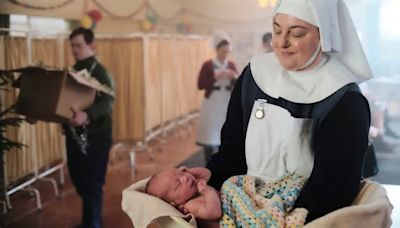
338 36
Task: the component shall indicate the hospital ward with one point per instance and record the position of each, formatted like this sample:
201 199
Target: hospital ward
199 114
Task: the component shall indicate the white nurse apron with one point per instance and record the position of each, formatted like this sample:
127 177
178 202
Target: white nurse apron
277 143
213 112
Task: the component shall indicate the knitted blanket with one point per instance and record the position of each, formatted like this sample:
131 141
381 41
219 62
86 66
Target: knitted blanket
250 202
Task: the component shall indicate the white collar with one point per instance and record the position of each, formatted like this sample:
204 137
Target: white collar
223 65
305 87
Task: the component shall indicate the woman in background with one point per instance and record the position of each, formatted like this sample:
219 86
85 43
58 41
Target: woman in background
217 77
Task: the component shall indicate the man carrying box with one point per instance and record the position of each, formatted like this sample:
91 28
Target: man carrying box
89 133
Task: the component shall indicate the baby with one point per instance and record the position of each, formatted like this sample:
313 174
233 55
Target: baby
187 190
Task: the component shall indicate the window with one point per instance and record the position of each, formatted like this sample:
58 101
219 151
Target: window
37 25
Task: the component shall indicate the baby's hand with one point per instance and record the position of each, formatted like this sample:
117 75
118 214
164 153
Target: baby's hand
202 187
201 174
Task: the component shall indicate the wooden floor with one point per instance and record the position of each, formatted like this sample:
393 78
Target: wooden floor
66 210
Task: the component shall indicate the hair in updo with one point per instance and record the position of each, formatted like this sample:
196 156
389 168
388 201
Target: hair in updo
221 44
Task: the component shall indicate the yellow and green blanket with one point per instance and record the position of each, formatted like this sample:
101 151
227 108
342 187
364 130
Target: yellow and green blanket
250 202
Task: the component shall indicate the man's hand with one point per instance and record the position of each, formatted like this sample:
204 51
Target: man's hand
79 118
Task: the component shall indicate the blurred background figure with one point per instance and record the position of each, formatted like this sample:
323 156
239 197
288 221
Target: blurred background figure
383 131
266 41
217 77
89 134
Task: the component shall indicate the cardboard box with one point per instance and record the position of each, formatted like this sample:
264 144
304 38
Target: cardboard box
49 95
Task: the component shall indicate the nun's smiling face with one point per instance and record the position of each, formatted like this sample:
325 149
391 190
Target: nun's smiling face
294 42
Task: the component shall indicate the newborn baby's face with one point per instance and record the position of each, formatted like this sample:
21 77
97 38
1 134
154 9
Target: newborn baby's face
174 186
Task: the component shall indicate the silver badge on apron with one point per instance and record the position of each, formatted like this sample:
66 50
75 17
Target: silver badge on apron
260 113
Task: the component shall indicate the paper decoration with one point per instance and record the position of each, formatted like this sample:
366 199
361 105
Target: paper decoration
90 20
147 25
95 15
86 22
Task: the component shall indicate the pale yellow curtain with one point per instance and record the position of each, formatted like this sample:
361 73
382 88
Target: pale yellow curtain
45 143
171 82
169 78
68 58
153 95
2 52
203 52
47 51
3 179
19 163
152 91
123 58
184 90
192 53
168 91
49 139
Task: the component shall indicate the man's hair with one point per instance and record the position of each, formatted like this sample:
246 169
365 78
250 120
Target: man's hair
88 34
222 43
266 38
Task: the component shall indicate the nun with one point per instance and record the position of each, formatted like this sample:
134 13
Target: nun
300 110
217 77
